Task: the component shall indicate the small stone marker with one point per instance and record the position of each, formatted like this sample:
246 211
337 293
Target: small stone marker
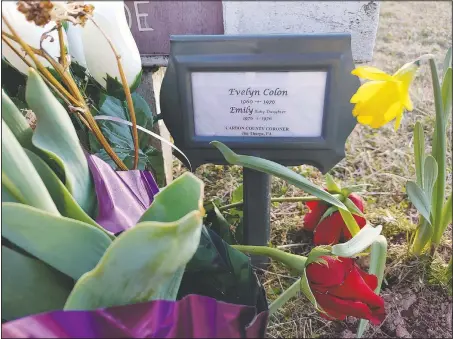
280 97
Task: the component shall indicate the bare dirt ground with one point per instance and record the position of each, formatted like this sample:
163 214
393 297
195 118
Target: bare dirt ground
417 304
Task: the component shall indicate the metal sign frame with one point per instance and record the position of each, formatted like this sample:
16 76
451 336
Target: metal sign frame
262 53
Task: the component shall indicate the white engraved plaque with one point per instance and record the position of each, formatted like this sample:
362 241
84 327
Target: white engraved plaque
259 104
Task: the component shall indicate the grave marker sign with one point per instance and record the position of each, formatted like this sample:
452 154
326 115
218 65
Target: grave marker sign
280 97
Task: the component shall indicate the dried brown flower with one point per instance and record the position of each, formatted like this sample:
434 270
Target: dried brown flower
42 12
37 11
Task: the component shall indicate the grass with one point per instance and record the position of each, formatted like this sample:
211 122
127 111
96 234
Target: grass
382 158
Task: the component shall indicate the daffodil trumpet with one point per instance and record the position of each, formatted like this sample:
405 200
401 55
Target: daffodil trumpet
384 97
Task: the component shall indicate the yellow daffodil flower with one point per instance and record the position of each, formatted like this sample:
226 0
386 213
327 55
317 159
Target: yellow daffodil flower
384 98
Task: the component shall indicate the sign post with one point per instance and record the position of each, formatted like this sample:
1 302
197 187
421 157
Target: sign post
280 97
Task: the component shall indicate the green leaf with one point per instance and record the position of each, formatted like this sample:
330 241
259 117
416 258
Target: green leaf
220 225
238 194
352 207
317 252
306 290
56 137
64 201
183 195
429 176
446 94
367 236
120 135
447 62
328 213
439 153
422 236
419 152
30 286
446 215
22 178
70 246
138 263
419 199
16 121
279 171
378 258
145 261
332 186
350 222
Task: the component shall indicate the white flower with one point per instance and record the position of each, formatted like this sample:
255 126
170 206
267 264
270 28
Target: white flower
100 59
74 33
31 34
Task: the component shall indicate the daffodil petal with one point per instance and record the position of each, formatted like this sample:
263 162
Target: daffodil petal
407 102
398 121
408 70
371 73
366 91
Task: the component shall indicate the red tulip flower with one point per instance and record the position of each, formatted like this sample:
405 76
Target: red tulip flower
330 230
342 289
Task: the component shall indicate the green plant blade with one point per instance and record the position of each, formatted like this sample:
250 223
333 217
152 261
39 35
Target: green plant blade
446 216
350 222
138 263
331 185
418 197
378 257
422 236
306 290
29 286
57 139
365 238
429 176
279 171
352 207
145 262
419 152
21 176
70 246
16 121
183 195
447 61
64 201
447 94
439 149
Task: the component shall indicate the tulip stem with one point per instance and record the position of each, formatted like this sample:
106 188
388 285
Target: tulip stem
291 292
287 199
14 49
59 88
43 70
63 60
127 93
296 262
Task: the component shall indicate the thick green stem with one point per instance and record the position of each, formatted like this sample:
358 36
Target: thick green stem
292 291
296 262
439 153
287 199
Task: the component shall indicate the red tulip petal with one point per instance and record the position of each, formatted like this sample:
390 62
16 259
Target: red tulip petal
329 230
332 314
356 288
370 279
349 307
360 220
311 219
357 200
313 204
332 274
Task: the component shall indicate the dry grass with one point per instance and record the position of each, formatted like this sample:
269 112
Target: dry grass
382 158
